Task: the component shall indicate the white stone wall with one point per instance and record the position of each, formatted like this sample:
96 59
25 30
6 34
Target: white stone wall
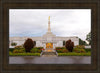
59 44
39 40
39 44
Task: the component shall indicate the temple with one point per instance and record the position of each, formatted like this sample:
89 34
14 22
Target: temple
48 40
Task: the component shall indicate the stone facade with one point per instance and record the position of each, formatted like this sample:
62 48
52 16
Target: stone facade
41 41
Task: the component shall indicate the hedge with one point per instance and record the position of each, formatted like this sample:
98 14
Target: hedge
74 54
24 54
11 49
88 50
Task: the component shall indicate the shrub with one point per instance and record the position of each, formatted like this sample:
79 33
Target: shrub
39 51
34 50
13 44
15 51
19 50
22 50
38 47
10 52
88 50
19 47
82 51
28 45
42 49
77 50
80 46
59 50
64 50
11 49
60 47
24 54
69 45
74 54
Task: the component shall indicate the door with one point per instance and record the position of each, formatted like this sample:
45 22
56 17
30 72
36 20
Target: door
49 45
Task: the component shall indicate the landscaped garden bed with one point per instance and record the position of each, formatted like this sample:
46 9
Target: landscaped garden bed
29 49
74 54
24 54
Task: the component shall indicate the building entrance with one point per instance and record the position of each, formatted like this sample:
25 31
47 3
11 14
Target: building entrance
49 45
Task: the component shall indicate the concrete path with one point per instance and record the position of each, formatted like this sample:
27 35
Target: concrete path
50 60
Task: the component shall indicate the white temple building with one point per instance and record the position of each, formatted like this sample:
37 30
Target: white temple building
49 40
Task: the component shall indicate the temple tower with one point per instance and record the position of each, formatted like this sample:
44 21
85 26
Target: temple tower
49 29
49 33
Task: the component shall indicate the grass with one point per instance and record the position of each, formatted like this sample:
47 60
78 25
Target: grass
74 54
24 54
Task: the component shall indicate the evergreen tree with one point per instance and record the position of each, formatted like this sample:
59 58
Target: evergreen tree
88 38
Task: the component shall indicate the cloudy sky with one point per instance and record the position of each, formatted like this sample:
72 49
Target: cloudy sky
64 22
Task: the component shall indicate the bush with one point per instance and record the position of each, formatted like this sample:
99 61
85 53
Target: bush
69 45
74 54
24 54
59 50
77 50
88 50
28 45
82 51
39 51
22 50
35 50
10 52
60 47
19 50
11 49
80 46
38 47
19 47
64 50
15 51
13 44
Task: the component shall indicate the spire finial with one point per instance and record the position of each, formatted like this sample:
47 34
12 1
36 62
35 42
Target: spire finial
49 18
49 30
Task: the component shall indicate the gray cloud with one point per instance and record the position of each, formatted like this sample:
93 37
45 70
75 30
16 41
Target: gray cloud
64 22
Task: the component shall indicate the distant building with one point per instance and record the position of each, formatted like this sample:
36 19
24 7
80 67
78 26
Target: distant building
49 40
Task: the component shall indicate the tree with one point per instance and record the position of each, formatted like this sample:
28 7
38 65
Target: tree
28 45
69 45
13 44
81 42
88 38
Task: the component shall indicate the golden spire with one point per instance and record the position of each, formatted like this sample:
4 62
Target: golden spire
49 29
49 18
